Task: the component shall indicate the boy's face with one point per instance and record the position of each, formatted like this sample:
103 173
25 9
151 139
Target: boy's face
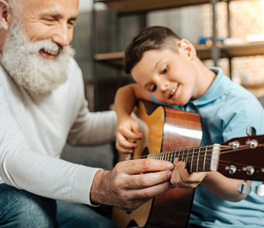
169 76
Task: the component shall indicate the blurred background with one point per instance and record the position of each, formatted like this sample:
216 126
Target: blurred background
105 27
228 33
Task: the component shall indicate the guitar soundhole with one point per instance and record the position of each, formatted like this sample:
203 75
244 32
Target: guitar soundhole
145 152
132 224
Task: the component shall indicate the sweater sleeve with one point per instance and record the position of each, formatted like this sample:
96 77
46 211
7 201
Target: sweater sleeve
37 173
87 128
93 128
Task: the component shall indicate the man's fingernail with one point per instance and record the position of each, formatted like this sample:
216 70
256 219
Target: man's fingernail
170 166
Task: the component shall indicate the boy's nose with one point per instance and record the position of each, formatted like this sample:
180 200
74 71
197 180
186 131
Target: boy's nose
164 85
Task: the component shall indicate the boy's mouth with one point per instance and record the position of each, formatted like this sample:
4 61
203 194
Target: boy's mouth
173 91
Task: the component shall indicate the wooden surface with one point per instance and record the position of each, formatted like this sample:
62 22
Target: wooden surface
134 6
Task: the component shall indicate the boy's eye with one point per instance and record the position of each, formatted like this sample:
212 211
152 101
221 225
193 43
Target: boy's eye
164 71
153 88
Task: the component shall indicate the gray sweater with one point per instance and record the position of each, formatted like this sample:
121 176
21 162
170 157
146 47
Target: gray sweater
34 129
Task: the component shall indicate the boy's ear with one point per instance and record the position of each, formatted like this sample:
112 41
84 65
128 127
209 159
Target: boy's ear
5 14
187 48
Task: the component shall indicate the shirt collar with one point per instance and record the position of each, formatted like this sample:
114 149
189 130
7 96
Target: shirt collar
217 89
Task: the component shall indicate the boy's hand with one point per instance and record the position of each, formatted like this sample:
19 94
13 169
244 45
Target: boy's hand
127 132
182 179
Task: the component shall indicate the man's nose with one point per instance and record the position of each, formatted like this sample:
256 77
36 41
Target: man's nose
63 35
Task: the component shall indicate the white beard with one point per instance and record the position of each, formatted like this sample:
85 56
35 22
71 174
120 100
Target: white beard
30 70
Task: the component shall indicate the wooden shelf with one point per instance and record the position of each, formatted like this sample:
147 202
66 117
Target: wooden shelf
133 6
115 59
249 49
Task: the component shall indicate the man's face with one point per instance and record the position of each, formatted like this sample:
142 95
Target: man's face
36 52
49 20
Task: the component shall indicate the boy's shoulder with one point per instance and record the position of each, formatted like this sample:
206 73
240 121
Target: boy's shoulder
231 90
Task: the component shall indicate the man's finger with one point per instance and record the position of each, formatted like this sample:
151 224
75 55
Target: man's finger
147 165
147 179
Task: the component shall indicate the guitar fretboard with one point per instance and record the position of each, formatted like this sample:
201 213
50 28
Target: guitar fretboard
198 159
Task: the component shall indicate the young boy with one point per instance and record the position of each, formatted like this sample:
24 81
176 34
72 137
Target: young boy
168 72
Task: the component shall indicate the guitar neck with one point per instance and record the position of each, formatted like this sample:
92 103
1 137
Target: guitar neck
198 159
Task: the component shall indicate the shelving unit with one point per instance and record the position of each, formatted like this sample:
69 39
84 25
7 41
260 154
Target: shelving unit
115 59
125 7
135 6
204 52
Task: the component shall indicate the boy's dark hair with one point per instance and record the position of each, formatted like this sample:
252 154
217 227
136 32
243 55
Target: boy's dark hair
149 38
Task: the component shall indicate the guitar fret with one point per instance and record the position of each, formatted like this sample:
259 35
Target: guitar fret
201 159
174 156
187 156
191 167
205 156
197 162
166 157
197 159
209 158
170 157
179 155
184 155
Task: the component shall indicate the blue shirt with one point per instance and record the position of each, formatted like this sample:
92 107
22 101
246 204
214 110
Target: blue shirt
226 110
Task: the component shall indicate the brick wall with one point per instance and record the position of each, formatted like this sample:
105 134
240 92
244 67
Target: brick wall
247 18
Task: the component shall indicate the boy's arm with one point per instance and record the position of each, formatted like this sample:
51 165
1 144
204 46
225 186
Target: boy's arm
127 128
221 186
127 97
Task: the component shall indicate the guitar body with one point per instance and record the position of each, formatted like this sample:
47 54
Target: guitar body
164 129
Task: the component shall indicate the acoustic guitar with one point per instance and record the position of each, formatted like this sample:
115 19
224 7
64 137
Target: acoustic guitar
170 133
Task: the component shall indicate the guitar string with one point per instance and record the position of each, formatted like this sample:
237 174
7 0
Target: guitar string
197 151
193 154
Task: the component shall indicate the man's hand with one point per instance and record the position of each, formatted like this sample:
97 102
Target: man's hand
127 129
131 183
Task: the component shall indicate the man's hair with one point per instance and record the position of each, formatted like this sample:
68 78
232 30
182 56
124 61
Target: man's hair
149 38
16 7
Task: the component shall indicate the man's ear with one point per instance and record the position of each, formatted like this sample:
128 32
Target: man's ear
187 48
5 14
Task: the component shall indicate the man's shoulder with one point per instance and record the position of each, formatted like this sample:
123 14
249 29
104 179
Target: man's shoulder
6 81
73 65
74 70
